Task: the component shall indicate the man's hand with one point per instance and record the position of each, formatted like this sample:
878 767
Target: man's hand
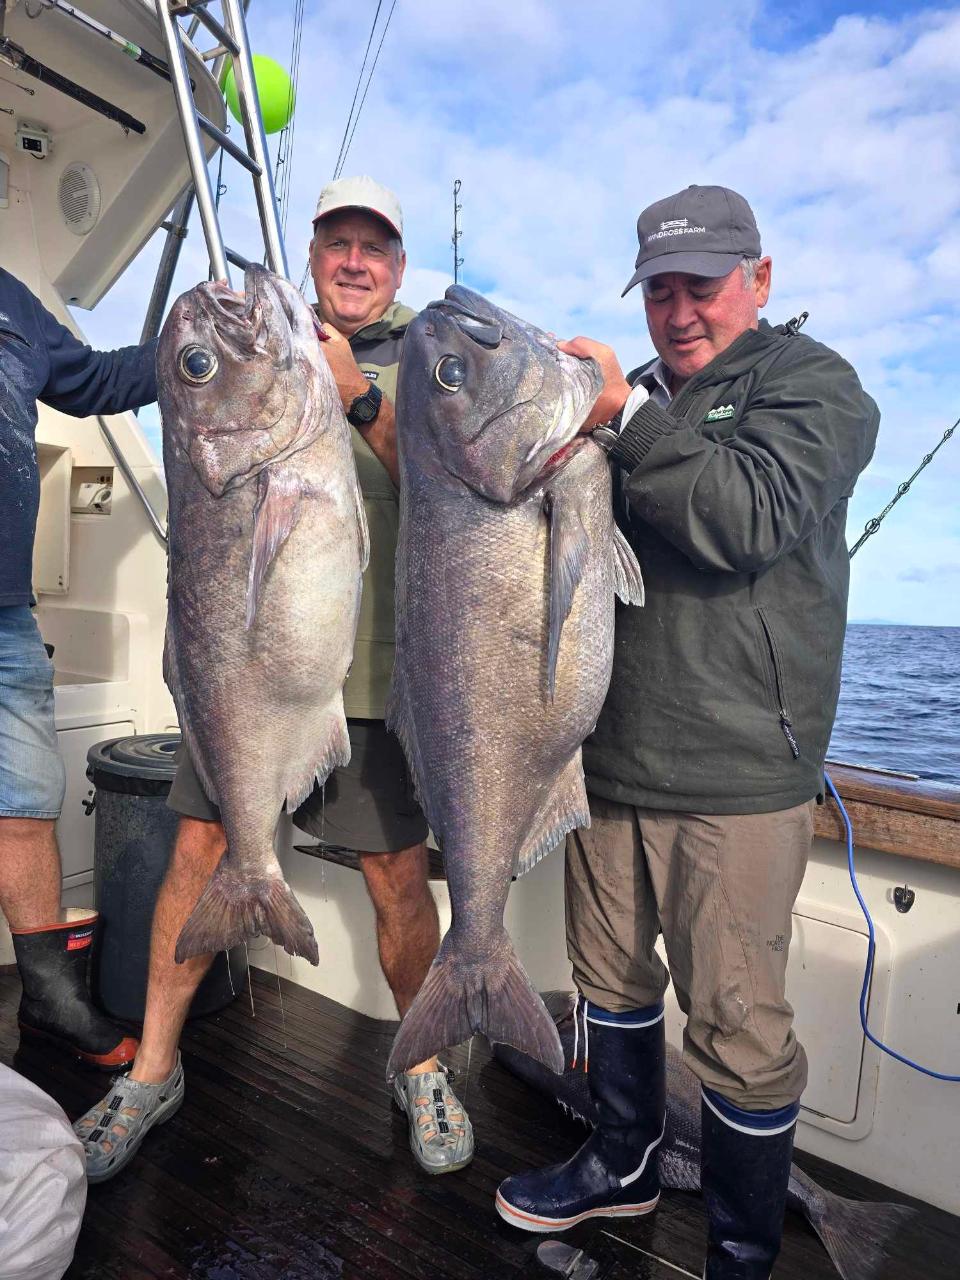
348 375
616 388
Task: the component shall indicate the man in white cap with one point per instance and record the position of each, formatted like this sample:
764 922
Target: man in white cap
357 260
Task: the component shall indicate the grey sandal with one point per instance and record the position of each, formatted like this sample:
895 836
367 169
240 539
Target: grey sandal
441 1135
111 1131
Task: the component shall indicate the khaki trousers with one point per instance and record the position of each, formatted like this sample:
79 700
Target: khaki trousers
721 889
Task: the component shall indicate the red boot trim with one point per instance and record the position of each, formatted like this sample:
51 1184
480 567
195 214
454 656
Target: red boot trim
59 925
122 1055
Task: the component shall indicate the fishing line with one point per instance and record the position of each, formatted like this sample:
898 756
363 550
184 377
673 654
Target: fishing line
253 1012
871 951
283 1015
229 973
367 86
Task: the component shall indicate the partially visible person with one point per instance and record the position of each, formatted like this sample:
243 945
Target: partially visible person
357 260
43 1188
40 359
735 452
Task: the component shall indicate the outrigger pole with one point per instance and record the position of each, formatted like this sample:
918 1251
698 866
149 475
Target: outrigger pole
143 56
14 55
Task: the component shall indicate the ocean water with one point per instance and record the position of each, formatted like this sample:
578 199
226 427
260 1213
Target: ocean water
900 701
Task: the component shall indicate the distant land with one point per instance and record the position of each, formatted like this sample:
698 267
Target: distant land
889 622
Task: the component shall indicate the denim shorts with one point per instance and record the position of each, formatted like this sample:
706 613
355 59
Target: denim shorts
32 777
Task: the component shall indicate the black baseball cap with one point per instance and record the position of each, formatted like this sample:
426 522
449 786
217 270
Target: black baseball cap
704 231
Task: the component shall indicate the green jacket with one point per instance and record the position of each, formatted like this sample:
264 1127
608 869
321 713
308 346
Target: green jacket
734 497
376 349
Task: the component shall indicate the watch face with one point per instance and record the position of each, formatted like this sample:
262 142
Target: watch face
365 408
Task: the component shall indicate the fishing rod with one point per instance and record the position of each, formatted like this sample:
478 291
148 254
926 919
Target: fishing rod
134 51
870 529
14 55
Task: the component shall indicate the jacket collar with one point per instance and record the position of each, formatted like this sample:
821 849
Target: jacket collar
393 322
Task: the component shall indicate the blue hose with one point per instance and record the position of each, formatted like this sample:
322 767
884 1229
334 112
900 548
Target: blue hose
871 951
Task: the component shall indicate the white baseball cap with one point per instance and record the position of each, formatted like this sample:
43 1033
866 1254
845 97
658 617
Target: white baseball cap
361 193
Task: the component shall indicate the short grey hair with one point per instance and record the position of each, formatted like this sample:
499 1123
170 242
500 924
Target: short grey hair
749 268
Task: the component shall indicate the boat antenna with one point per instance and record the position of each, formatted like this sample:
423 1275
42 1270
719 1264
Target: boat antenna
457 233
354 116
872 525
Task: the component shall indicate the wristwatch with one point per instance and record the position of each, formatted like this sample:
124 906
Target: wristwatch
606 434
365 408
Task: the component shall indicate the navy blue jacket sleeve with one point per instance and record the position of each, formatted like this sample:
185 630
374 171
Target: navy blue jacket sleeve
82 381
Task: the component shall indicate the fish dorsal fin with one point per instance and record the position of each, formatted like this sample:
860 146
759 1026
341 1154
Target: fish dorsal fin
569 551
274 517
627 578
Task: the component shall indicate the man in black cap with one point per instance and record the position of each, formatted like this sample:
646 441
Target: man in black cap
734 454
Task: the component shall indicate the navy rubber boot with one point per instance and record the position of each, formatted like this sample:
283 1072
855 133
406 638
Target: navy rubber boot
614 1174
744 1171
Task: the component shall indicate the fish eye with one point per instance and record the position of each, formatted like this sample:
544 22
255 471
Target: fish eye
197 364
451 372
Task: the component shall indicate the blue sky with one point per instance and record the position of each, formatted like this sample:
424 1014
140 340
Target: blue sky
563 120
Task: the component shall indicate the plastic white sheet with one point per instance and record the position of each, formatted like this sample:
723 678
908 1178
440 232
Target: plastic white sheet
43 1185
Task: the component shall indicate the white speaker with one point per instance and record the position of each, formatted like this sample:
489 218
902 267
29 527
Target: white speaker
79 198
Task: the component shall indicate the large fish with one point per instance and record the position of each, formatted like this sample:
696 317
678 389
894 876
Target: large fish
854 1233
507 567
267 545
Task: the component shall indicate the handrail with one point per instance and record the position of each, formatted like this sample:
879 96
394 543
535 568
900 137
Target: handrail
131 479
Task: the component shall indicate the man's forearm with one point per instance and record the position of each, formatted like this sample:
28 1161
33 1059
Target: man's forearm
381 436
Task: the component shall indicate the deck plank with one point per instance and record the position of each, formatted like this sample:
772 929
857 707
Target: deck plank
286 1163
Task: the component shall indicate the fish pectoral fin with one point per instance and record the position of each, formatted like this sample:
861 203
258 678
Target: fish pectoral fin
333 751
276 513
569 551
566 808
627 578
363 533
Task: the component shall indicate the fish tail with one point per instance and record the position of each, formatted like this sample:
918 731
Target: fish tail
232 909
459 998
855 1233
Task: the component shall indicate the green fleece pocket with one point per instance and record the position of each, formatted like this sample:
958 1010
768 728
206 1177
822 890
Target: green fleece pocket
779 684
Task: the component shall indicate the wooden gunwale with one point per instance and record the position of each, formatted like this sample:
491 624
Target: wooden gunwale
915 819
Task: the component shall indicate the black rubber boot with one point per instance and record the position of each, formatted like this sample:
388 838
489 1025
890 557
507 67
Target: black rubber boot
614 1174
744 1171
55 1004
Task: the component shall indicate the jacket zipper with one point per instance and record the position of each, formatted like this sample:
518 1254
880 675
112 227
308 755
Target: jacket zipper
786 724
12 333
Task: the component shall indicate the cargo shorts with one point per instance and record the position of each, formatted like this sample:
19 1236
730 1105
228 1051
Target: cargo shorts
368 805
721 889
32 776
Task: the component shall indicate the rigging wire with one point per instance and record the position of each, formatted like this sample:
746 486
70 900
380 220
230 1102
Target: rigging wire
367 86
872 525
283 166
366 54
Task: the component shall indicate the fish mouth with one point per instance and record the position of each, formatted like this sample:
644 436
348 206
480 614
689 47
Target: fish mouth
472 315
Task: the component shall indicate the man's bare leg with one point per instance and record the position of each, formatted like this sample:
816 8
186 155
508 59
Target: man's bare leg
408 927
171 987
29 872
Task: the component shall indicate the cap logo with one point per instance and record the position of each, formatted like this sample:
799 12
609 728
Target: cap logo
676 227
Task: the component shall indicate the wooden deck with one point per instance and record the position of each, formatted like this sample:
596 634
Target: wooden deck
287 1163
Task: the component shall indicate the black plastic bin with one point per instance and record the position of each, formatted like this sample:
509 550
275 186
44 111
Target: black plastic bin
134 839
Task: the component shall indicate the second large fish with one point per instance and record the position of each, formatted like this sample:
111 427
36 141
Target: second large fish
507 567
267 545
